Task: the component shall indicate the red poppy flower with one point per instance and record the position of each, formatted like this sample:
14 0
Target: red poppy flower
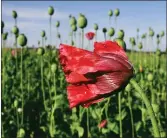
94 75
102 124
13 52
90 35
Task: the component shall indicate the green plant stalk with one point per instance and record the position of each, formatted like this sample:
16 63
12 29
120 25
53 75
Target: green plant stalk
152 93
148 106
104 36
28 87
3 67
56 35
50 19
131 115
82 38
16 52
95 35
88 132
120 115
22 96
106 107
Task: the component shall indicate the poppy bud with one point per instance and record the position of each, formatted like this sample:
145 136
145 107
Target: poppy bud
15 103
158 41
128 87
157 35
162 33
111 32
53 67
40 51
121 34
57 24
121 43
21 133
50 10
140 46
116 12
74 28
104 30
96 27
150 77
82 21
110 13
14 14
133 42
140 69
151 33
102 124
73 21
143 36
43 33
22 40
15 30
4 36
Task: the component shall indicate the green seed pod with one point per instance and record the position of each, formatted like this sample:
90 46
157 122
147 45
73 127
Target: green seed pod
21 133
15 103
14 14
53 67
116 12
121 43
73 21
150 77
57 24
140 45
96 27
121 34
82 21
22 40
74 28
128 87
50 10
162 33
143 36
158 52
5 36
157 36
132 41
15 30
111 32
43 33
40 51
2 25
110 13
104 30
151 33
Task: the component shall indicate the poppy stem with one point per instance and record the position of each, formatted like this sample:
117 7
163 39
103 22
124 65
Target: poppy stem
88 133
149 108
120 115
82 38
22 85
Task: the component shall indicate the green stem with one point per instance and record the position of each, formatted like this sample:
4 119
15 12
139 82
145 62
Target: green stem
88 133
149 108
22 85
50 19
82 38
3 67
120 115
28 85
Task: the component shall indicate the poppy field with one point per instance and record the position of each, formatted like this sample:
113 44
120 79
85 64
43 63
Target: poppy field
66 90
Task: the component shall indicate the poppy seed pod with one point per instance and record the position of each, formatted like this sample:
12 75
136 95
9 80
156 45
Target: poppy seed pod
162 33
121 43
73 21
21 133
121 34
143 36
43 33
110 13
40 51
150 77
104 30
157 35
57 24
74 28
58 35
151 33
82 21
96 27
5 36
140 45
50 10
15 30
53 67
14 14
133 42
116 12
111 32
22 40
15 103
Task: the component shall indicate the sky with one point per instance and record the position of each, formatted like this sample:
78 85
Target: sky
33 18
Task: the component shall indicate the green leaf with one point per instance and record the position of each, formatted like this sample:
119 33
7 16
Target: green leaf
138 125
80 131
113 126
155 108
